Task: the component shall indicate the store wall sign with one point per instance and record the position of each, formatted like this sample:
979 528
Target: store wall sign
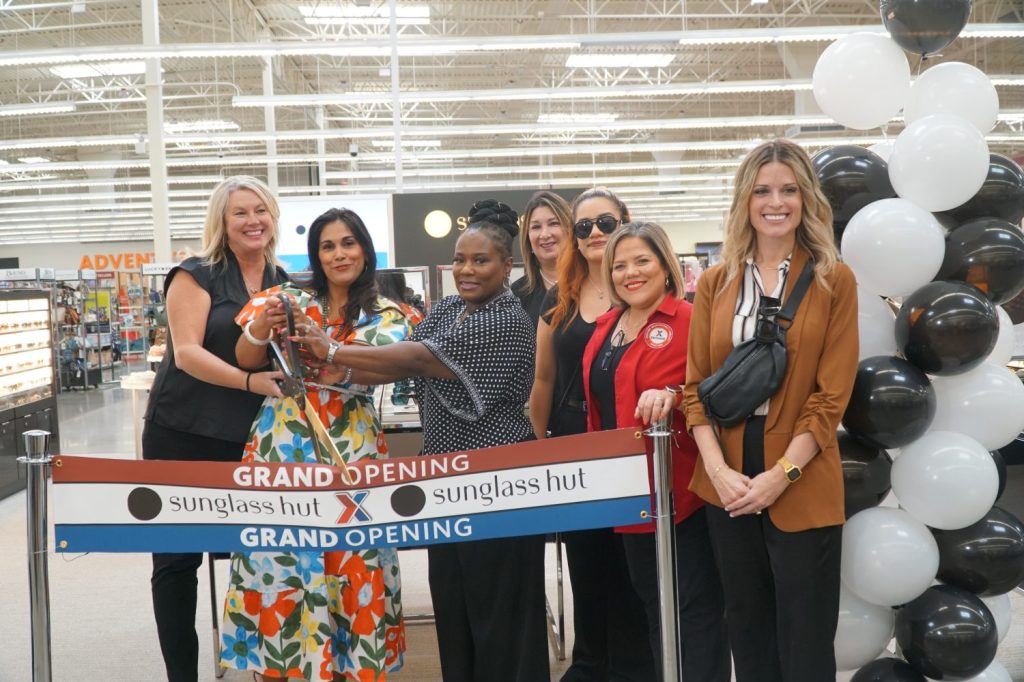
591 480
122 261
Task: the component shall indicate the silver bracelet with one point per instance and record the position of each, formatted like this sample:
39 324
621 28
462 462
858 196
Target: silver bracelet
331 350
348 376
252 339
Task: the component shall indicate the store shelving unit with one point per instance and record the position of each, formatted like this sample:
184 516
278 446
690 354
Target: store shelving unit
154 313
28 381
73 370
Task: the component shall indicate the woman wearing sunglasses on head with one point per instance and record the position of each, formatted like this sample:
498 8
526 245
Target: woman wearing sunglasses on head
633 369
547 227
608 618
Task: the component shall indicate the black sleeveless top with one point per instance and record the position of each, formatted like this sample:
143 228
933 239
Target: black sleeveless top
532 301
568 402
181 402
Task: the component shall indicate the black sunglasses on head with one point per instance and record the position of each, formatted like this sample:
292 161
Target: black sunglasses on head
605 223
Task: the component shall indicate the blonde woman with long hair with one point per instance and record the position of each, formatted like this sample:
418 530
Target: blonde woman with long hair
202 403
773 483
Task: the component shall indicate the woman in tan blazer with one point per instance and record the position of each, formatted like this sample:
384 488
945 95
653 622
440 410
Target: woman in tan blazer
774 482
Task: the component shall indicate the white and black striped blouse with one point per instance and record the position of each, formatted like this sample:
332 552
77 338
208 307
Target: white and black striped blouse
747 302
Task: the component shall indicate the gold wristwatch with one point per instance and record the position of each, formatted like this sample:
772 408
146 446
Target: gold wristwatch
791 470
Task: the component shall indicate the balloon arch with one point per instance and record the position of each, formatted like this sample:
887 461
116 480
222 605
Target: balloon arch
930 224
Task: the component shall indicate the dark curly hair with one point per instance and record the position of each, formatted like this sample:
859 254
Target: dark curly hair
498 221
362 294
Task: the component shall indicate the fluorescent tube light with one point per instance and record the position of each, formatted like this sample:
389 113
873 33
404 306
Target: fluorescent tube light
101 70
37 108
577 118
389 144
33 159
326 15
641 60
198 126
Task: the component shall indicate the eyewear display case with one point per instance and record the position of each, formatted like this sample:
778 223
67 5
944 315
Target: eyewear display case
28 381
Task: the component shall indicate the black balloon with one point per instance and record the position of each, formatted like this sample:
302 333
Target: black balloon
988 253
947 633
888 670
866 471
947 328
924 26
997 457
892 404
851 178
1002 195
986 558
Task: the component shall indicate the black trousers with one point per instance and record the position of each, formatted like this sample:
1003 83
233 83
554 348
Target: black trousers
703 645
488 598
609 623
781 589
174 582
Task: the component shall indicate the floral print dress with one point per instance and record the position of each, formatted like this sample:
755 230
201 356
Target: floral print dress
316 614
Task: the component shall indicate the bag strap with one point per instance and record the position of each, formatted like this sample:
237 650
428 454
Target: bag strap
568 387
788 311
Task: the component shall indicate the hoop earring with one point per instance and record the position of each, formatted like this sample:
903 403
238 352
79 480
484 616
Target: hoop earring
507 283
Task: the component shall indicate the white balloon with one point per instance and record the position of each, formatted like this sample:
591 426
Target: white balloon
939 162
889 557
1003 351
883 149
986 404
861 80
954 88
995 672
945 480
999 605
893 246
876 325
863 632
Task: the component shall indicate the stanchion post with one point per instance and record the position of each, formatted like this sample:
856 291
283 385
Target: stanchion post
661 433
37 461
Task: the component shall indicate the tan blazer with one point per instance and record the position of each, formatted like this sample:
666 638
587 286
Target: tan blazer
821 350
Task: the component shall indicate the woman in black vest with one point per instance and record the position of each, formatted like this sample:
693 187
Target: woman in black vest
202 404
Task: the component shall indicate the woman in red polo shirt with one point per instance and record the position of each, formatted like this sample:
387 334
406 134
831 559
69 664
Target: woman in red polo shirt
637 350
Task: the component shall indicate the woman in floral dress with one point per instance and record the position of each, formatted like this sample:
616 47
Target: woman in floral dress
320 615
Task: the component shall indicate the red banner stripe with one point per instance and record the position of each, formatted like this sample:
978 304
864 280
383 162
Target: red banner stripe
367 473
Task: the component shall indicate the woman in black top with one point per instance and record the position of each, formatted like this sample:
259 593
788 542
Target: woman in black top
547 222
473 359
608 621
201 404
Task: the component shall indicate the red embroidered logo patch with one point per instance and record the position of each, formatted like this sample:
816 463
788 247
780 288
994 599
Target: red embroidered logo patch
658 335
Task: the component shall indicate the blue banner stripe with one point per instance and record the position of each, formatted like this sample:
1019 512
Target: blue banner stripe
232 537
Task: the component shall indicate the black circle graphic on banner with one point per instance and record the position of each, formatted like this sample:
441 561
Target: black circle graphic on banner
144 504
408 500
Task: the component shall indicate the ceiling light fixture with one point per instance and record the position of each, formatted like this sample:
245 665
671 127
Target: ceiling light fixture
173 127
577 118
637 60
80 71
364 15
37 108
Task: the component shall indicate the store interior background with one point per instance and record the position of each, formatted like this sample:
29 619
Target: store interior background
105 168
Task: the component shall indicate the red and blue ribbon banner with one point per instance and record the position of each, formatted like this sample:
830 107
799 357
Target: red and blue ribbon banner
591 480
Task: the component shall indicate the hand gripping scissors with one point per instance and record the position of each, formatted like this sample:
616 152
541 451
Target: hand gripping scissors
292 386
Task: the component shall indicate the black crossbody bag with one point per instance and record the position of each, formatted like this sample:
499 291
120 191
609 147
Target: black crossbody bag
754 370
